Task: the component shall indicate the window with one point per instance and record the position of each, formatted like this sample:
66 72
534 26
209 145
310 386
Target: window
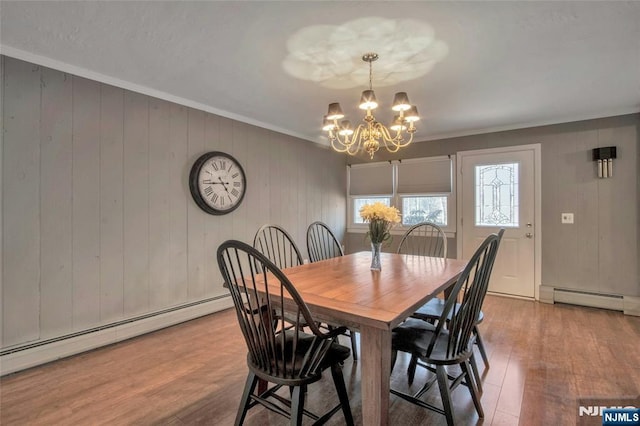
422 189
359 202
420 209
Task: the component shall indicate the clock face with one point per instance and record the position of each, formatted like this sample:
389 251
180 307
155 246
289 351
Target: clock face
217 183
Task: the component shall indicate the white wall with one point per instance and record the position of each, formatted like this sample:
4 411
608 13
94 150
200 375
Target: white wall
98 224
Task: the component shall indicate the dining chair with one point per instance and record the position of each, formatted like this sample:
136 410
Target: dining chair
274 242
432 311
323 244
424 239
450 340
279 355
278 246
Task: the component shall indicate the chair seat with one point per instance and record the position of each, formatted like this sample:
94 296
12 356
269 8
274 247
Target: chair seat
414 336
432 310
336 353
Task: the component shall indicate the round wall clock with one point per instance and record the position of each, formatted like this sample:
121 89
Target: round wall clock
217 183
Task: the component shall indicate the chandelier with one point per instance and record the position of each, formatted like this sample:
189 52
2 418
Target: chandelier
371 134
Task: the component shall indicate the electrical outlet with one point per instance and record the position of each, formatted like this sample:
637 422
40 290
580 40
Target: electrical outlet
567 217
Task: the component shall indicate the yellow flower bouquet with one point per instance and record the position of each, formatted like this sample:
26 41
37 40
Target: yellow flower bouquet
381 219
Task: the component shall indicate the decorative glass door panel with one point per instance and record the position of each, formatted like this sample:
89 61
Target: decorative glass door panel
496 195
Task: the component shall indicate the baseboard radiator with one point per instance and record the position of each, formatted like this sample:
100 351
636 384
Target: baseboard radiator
630 305
21 357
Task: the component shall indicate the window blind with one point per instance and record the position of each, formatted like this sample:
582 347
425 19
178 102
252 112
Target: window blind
425 175
371 179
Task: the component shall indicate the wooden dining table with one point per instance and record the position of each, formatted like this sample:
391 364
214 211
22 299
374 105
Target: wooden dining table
344 291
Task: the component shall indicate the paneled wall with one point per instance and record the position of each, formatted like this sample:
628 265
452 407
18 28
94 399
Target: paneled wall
600 251
98 224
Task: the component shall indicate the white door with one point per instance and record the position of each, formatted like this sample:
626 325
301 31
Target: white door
497 190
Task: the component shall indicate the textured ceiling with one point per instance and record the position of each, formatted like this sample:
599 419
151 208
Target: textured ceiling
470 67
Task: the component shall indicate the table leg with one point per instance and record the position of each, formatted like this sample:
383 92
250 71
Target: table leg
375 359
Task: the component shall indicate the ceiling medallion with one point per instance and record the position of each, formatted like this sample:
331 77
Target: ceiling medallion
371 134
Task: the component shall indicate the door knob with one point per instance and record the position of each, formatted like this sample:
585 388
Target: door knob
528 235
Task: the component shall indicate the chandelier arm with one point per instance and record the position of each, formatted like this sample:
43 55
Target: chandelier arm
347 141
399 144
353 149
397 141
386 136
404 142
335 136
393 150
338 148
347 148
356 135
393 144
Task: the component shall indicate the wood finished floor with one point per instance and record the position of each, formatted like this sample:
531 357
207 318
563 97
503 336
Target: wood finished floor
543 358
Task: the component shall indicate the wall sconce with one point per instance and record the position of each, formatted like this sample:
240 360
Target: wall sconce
604 157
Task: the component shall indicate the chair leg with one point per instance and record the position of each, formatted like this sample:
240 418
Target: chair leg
411 370
249 387
341 389
472 388
480 344
354 345
445 395
297 404
476 373
394 358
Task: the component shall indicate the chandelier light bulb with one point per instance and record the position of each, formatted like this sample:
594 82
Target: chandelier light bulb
401 102
327 124
398 124
335 112
345 128
412 114
368 100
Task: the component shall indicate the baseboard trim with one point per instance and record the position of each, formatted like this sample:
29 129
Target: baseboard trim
588 299
34 355
630 305
510 296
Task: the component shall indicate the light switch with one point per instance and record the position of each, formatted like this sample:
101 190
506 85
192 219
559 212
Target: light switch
567 217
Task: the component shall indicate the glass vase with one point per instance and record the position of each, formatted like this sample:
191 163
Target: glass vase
375 256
